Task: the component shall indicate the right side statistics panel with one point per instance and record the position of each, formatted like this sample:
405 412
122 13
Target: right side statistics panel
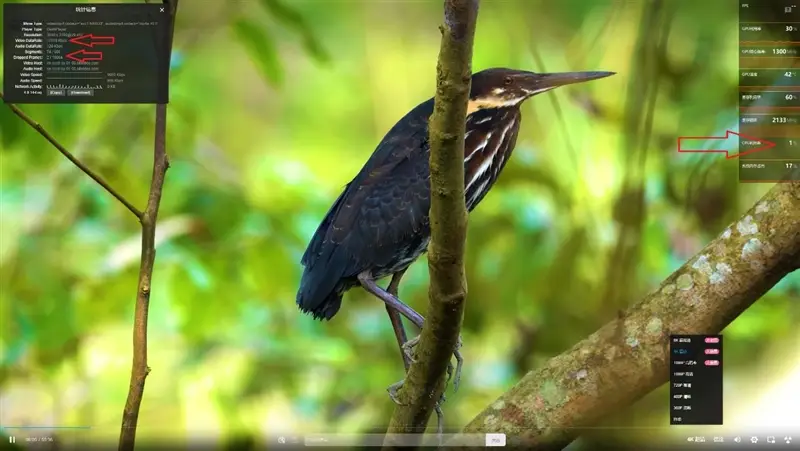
769 90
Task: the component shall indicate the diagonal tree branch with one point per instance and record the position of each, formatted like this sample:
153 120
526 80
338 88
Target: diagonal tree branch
424 383
38 127
629 357
139 368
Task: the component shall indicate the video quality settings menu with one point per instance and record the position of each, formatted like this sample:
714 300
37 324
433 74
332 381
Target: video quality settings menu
769 90
695 389
85 53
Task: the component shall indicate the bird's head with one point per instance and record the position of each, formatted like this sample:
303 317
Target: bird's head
502 88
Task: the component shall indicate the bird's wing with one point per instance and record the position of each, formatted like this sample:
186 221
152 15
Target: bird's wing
317 241
385 205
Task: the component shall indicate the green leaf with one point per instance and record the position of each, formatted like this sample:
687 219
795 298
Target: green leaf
285 14
261 48
292 19
315 48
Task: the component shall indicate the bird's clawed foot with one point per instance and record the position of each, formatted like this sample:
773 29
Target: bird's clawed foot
408 349
459 364
439 418
453 374
395 388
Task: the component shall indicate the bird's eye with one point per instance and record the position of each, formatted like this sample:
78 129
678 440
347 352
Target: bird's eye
508 81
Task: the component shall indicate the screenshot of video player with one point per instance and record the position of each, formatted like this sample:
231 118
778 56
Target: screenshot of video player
401 224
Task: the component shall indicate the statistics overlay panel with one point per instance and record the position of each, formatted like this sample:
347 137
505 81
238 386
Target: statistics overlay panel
85 53
769 90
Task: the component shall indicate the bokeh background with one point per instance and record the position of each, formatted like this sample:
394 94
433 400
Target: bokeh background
275 105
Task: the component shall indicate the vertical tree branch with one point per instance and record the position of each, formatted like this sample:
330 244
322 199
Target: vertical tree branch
424 382
148 219
139 368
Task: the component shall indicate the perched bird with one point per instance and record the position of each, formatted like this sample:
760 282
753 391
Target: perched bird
379 224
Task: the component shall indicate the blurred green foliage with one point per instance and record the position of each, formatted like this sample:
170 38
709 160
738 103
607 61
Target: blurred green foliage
274 106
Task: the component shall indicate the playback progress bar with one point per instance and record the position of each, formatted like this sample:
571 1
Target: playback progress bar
397 440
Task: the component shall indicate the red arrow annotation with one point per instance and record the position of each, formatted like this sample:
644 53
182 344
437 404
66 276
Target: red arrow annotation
90 40
690 143
83 56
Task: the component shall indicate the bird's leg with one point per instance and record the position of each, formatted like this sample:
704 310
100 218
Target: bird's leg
395 307
397 320
366 280
399 332
394 284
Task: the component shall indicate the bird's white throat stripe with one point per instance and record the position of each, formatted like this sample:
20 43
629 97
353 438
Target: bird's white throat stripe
496 101
491 102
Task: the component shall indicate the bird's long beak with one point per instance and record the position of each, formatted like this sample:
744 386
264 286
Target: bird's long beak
536 83
567 78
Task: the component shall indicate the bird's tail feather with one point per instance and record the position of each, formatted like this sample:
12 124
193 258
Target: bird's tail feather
321 290
323 308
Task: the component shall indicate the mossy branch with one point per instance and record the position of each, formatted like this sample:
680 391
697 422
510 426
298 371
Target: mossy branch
629 357
448 215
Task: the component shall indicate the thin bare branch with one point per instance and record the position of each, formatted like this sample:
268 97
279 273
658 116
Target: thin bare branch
139 367
38 127
424 383
140 370
629 357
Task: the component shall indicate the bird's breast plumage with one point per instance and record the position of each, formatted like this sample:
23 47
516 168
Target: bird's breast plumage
490 139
